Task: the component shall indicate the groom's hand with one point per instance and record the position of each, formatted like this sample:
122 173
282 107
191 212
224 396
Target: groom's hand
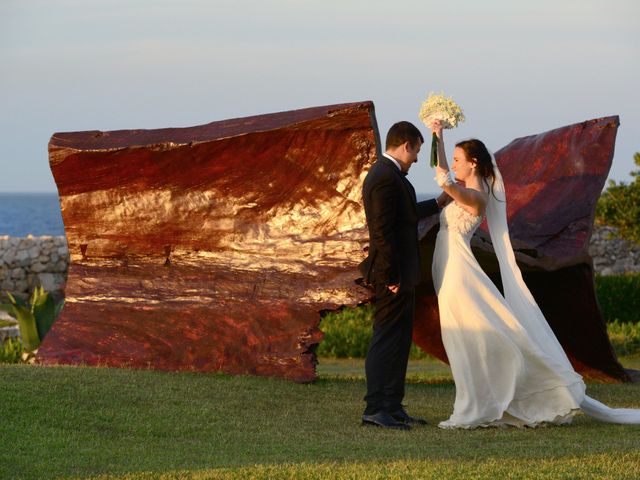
394 288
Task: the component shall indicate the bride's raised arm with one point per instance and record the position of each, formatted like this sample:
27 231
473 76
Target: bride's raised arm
472 195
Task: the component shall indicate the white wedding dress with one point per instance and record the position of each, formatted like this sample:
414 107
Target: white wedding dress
508 366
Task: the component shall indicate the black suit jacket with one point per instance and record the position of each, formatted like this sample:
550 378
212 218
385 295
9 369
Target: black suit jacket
392 217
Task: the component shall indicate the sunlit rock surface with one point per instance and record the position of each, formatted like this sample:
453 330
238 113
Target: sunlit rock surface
212 247
553 181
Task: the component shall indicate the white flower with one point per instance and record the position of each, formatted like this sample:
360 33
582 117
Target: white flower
439 107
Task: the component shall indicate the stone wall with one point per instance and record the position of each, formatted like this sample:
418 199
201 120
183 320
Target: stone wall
26 262
612 255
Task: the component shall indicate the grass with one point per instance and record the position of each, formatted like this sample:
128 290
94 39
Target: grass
74 422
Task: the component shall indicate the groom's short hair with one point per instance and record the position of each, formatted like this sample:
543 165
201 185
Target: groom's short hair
403 132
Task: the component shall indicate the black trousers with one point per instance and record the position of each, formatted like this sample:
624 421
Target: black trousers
386 363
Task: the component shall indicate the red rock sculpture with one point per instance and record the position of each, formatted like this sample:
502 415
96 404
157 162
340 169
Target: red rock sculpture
212 247
553 181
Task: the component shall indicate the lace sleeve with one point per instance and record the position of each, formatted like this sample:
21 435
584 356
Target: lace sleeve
443 179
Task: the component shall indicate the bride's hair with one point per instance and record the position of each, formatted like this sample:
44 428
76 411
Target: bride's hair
477 153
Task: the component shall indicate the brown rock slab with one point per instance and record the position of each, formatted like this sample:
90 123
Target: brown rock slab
212 247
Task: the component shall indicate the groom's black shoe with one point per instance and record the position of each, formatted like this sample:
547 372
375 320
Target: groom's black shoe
402 416
384 420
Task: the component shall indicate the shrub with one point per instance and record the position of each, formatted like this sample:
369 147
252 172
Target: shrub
619 206
619 297
11 351
34 317
348 332
625 337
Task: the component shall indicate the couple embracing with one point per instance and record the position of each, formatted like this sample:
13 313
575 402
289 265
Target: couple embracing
508 367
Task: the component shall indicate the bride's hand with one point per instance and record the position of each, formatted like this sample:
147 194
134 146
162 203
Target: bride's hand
436 127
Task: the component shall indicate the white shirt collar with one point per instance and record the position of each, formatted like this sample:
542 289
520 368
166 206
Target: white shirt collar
393 160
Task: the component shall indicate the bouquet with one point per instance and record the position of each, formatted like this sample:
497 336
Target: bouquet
439 107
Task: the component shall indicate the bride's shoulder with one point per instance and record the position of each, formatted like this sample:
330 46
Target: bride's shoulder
476 200
480 193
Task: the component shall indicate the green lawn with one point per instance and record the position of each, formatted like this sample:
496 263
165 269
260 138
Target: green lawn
66 422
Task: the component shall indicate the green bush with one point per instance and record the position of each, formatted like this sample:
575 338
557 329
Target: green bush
625 337
34 317
619 206
348 332
619 297
11 351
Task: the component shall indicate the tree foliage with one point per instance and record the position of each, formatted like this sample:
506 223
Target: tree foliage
619 206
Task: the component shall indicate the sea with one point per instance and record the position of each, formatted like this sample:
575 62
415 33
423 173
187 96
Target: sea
38 214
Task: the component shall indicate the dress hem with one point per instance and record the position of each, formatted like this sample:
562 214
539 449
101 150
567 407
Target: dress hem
561 419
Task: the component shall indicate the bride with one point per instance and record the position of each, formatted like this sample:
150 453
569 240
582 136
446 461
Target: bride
508 366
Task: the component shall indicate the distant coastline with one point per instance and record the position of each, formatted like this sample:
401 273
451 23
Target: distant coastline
36 214
426 196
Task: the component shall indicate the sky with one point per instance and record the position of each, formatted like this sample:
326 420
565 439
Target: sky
517 68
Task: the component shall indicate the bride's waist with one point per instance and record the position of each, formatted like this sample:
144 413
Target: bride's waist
453 238
454 233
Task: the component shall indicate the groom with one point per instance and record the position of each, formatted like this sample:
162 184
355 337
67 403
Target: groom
393 267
